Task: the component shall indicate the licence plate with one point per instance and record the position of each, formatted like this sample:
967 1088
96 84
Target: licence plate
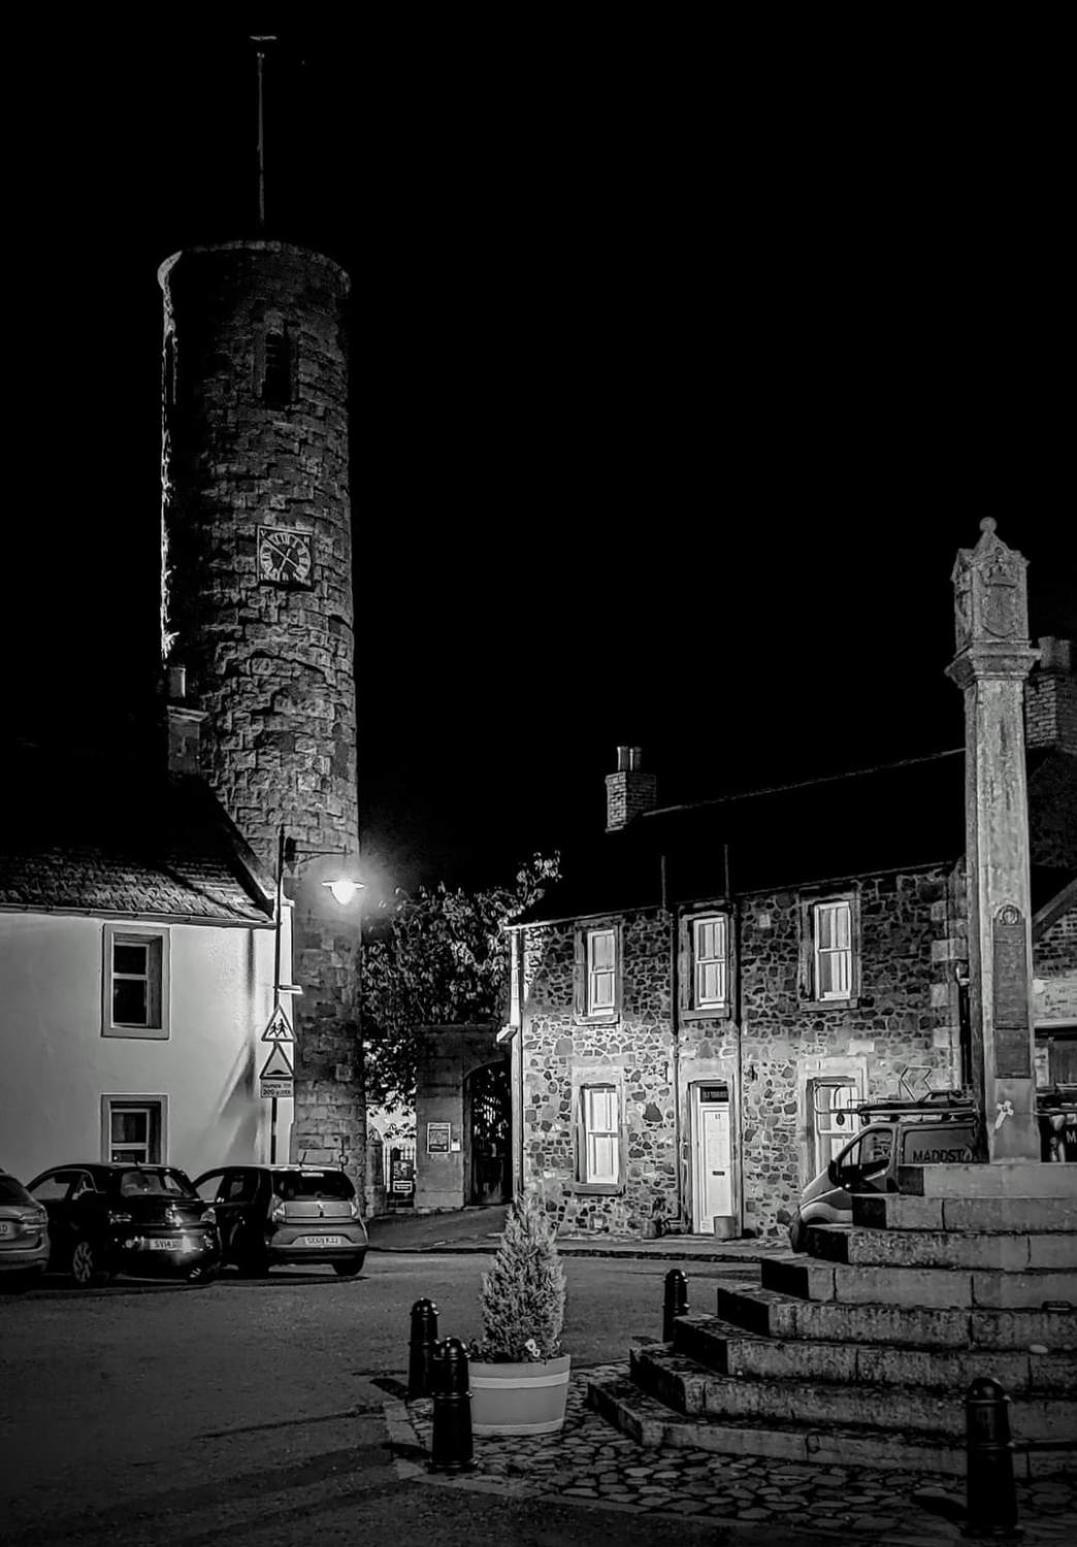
166 1245
321 1240
5 1228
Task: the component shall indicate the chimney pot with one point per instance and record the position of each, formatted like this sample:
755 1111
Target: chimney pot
629 791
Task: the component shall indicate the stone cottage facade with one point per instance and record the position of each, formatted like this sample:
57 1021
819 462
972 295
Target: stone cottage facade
707 994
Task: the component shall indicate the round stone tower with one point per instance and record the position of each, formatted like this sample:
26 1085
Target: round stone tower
257 605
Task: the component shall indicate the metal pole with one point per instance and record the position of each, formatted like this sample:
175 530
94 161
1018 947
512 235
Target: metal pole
261 133
279 911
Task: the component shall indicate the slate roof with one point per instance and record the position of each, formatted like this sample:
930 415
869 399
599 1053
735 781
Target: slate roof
901 816
147 847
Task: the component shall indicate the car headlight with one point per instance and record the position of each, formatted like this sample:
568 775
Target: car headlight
209 1217
277 1215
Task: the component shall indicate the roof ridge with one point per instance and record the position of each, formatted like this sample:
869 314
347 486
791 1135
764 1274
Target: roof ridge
803 784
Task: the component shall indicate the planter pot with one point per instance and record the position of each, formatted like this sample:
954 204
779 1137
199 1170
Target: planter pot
519 1398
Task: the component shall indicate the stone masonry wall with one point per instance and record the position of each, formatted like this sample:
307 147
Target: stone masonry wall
904 1022
1055 967
272 665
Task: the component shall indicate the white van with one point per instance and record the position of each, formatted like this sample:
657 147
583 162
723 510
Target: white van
896 1133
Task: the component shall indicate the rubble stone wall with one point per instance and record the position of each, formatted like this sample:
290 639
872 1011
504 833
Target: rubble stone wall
903 1023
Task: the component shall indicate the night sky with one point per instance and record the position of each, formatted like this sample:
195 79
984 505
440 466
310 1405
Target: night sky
680 374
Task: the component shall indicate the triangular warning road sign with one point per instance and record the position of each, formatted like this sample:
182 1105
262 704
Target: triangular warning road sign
278 1063
278 1029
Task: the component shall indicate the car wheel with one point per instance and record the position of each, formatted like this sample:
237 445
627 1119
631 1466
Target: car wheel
87 1266
349 1269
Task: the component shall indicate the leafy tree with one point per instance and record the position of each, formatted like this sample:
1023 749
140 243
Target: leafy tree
436 958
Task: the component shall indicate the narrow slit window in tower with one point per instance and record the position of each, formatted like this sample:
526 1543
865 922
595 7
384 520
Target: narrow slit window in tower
277 375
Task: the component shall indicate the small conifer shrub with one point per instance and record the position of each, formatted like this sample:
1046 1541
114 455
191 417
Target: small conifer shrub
523 1294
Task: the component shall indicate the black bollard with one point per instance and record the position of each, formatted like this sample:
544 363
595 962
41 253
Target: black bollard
451 1446
676 1301
424 1334
991 1498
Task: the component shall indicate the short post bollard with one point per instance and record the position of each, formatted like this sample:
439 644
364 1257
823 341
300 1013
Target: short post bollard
424 1334
676 1302
991 1498
451 1446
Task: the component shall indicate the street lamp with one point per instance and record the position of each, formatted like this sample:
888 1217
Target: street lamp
344 889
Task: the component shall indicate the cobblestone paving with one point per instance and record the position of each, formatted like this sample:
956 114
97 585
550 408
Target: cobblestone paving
593 1463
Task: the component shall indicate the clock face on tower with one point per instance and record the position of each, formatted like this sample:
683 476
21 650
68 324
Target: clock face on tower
284 557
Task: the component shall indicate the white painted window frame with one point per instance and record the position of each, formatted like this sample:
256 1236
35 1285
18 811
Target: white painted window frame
715 960
600 1130
152 1106
601 1002
158 983
825 914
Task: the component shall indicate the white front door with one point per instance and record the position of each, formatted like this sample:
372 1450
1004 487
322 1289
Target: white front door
713 1159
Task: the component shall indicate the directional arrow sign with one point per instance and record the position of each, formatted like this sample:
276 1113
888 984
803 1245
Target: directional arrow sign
278 1029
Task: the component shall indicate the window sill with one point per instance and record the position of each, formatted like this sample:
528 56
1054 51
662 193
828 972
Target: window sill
600 1018
831 1004
714 1012
603 1189
153 1033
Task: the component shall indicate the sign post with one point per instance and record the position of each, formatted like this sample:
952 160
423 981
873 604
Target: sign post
277 1077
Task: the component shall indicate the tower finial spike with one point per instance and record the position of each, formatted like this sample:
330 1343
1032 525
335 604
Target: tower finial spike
259 39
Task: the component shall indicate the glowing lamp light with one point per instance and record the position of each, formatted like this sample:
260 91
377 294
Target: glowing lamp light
343 890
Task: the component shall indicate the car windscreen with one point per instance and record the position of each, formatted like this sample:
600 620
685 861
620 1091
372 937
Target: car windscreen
292 1186
12 1191
168 1184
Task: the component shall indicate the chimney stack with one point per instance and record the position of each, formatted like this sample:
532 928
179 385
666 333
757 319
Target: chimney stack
183 726
1051 700
629 791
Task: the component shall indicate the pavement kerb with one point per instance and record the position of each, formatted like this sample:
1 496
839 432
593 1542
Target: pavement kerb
638 1252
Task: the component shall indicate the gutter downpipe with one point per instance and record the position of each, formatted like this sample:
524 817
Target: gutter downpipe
738 1016
675 1029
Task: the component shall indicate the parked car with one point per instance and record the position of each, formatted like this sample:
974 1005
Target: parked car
24 1235
109 1218
277 1214
896 1133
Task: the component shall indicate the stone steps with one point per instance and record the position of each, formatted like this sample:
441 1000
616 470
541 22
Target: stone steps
994 1215
862 1349
693 1390
941 1249
770 1313
934 1288
651 1423
726 1349
1025 1180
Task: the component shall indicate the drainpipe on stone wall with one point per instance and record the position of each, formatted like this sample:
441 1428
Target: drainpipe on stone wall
674 1021
738 1018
